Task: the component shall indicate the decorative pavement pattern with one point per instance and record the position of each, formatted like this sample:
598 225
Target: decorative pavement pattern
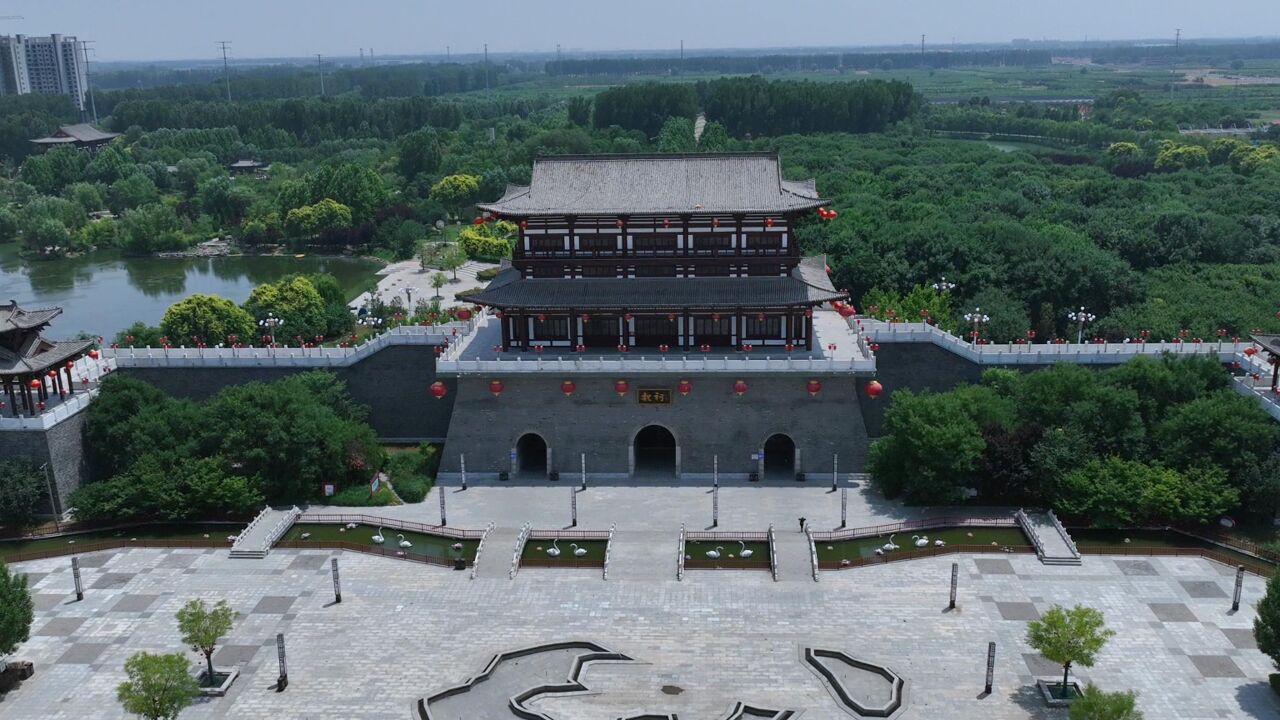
404 631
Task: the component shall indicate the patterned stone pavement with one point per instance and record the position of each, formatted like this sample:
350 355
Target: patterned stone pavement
404 631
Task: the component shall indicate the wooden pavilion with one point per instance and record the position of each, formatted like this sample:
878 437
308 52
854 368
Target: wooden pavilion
34 369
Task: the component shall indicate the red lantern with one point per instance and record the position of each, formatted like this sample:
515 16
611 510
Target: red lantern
585 317
438 390
814 387
684 387
496 387
622 348
70 365
478 221
760 317
1250 351
704 348
524 224
808 312
873 389
715 317
671 317
627 317
542 317
715 222
827 268
621 387
740 388
768 222
35 384
846 311
464 314
666 222
93 354
567 387
52 374
581 348
40 406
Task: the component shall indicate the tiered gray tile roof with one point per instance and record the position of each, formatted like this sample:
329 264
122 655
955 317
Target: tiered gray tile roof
806 285
81 132
657 184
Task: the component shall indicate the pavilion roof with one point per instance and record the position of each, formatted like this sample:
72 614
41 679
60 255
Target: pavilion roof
14 318
1270 343
706 183
81 132
40 355
806 285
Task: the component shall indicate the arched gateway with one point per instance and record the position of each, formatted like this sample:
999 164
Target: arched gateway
655 453
532 455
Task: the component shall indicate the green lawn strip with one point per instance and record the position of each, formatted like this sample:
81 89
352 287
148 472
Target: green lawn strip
537 549
421 543
866 547
164 531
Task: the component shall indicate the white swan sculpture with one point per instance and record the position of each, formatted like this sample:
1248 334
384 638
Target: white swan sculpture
889 546
921 540
379 539
404 543
715 554
939 543
744 552
578 551
554 550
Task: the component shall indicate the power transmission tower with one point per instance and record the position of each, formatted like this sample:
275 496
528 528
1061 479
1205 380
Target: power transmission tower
226 68
486 66
922 45
320 64
1177 39
447 55
361 56
682 51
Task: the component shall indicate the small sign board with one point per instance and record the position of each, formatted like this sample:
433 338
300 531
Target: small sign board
654 397
374 484
329 488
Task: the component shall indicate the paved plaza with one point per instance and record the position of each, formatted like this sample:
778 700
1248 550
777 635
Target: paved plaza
404 631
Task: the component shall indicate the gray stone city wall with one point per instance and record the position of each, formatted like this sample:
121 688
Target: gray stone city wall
392 382
60 447
711 421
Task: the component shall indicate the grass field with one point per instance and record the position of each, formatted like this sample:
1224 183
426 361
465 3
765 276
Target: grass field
421 544
537 550
168 531
729 549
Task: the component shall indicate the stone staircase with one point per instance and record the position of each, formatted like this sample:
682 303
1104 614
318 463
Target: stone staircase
255 541
1053 545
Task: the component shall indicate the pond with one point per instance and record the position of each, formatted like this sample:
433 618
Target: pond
867 546
103 292
419 543
177 532
536 550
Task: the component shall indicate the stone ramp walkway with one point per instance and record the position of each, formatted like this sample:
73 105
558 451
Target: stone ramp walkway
270 525
792 548
641 555
495 561
1053 544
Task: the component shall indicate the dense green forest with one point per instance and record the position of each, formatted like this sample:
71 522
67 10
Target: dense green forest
1107 206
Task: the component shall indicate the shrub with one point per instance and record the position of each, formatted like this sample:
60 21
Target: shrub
488 273
413 473
358 496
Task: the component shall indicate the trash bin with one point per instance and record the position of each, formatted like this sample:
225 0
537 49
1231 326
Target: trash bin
459 564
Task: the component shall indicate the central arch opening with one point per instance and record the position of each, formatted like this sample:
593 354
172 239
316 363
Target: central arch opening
780 457
531 455
655 452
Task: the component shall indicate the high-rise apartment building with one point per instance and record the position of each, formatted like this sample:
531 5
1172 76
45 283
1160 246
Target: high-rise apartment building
53 64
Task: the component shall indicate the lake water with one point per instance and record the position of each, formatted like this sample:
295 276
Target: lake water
103 293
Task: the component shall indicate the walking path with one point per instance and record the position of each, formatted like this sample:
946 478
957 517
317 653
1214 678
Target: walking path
495 561
639 555
792 549
1055 548
395 278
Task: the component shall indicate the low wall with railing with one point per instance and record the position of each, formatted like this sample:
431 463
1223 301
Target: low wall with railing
944 521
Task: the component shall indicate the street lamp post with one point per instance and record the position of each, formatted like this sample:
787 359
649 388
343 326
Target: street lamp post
977 319
943 286
270 324
408 294
1080 317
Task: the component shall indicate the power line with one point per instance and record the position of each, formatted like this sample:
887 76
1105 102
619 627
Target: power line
320 64
226 68
486 66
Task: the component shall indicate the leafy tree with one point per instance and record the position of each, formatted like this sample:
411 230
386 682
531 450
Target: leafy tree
1096 704
295 301
1069 637
225 200
153 489
110 164
1223 430
86 195
453 258
580 110
293 194
1126 159
1009 320
1118 493
207 318
419 152
456 192
131 419
16 610
676 136
47 236
97 234
438 280
51 171
358 188
8 225
326 216
21 491
338 317
139 334
131 192
490 241
151 228
1266 626
203 628
1173 157
159 687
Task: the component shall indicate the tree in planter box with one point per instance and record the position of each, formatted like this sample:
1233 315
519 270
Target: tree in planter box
1266 626
1096 704
203 628
1069 637
16 610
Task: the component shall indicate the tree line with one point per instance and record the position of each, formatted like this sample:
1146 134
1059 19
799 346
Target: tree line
765 64
756 106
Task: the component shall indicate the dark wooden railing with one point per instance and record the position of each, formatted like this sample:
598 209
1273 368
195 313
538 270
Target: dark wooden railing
568 534
1257 567
372 521
693 536
427 559
916 554
909 525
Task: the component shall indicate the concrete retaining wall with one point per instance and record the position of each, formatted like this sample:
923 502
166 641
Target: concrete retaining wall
60 447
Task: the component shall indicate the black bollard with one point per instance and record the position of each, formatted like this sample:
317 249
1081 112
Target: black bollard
955 578
337 587
282 682
1235 602
991 665
75 573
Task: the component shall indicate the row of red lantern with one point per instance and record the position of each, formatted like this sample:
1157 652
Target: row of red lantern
439 390
666 222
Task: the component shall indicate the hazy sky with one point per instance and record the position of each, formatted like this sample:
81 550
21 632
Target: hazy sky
179 29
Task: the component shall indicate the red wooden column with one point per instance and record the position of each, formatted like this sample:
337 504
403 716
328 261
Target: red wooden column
505 322
808 332
71 385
